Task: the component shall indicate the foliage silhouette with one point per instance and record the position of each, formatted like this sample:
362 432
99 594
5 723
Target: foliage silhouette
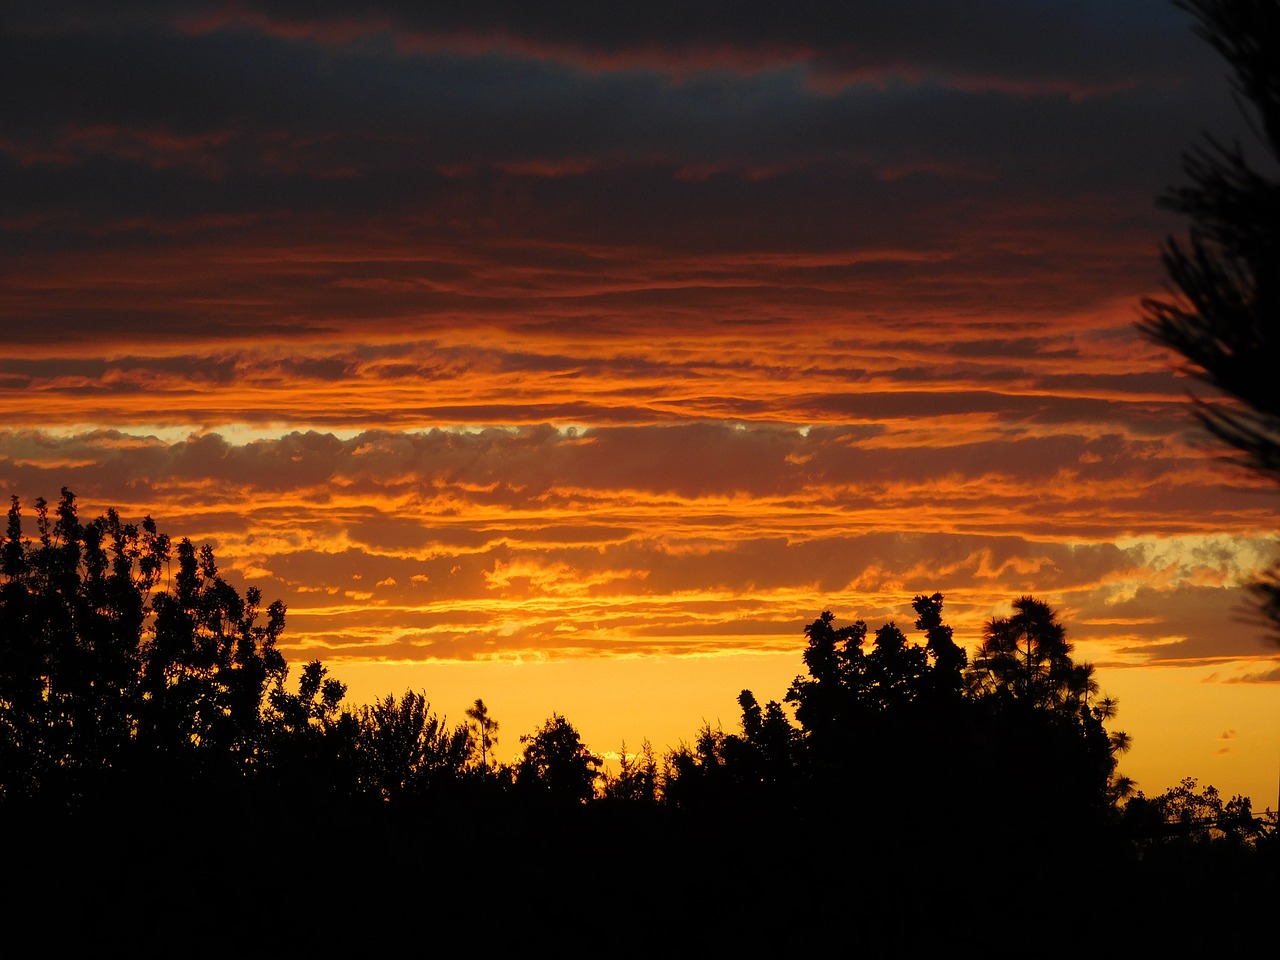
1024 670
312 752
486 730
1226 321
556 766
637 779
407 752
152 746
113 692
906 733
72 606
1225 318
1198 816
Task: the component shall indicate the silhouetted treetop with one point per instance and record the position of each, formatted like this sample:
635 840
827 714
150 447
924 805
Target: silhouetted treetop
904 730
108 684
486 730
848 680
556 765
407 751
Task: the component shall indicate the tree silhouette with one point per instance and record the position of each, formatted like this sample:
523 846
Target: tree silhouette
1194 815
760 765
904 733
206 669
311 745
848 684
824 699
1227 322
486 730
1225 319
407 752
556 765
110 691
1040 721
768 733
1027 656
946 679
72 608
637 777
696 777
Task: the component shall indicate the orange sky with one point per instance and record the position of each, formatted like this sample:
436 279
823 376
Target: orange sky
578 364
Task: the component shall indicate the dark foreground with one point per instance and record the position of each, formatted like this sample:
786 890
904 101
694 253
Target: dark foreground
609 882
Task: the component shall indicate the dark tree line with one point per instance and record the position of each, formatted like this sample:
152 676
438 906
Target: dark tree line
151 735
132 673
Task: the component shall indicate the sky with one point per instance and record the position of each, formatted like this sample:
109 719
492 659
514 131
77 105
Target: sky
575 356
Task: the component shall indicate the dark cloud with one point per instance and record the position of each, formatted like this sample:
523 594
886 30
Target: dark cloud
1271 675
124 130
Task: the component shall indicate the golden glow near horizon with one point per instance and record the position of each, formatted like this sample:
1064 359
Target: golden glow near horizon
481 383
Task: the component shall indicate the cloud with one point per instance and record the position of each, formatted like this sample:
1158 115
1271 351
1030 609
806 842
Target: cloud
574 332
1267 675
677 539
235 174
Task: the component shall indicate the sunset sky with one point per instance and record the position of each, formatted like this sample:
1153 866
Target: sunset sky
575 356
